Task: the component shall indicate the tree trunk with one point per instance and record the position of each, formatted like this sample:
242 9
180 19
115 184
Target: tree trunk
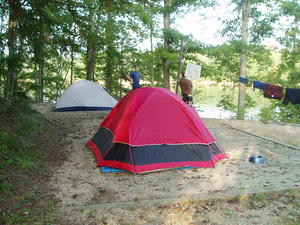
2 60
10 88
122 74
72 65
110 52
179 65
109 67
40 82
166 63
72 56
36 72
90 61
2 74
151 39
246 6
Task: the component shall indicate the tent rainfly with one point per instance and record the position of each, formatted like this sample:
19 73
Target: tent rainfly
85 95
153 129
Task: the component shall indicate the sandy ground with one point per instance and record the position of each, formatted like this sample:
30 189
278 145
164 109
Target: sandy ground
86 196
270 209
284 132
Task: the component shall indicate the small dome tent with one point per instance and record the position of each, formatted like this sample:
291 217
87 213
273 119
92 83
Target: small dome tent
85 95
153 129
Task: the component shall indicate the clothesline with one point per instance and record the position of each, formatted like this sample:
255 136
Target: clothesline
274 91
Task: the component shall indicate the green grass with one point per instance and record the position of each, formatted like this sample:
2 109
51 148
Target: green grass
21 124
293 218
23 140
34 208
16 153
5 186
259 197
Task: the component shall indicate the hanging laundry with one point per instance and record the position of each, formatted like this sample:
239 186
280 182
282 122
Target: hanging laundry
193 71
243 80
292 95
259 85
273 91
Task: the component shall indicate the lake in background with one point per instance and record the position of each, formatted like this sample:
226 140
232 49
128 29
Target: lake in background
208 94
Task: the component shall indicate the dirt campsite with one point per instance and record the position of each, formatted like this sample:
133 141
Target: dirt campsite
234 192
150 112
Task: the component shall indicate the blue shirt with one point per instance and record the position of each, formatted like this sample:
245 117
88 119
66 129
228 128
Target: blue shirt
135 76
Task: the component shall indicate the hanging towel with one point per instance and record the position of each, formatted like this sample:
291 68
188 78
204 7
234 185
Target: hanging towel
193 71
292 95
259 85
273 91
243 80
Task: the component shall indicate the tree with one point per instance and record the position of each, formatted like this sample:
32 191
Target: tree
3 38
288 71
37 33
166 69
171 7
246 6
15 10
111 53
261 27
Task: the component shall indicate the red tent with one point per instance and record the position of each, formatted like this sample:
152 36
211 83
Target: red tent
153 129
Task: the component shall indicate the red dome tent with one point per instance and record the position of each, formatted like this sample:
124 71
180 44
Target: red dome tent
153 129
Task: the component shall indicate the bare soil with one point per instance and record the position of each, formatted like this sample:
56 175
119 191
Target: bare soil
279 208
84 195
283 132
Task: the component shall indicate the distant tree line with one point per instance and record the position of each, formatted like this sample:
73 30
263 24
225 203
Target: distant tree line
46 45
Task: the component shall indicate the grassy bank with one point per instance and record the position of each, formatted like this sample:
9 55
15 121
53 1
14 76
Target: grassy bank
30 150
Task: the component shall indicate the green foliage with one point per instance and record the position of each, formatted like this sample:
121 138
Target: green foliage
281 113
5 186
259 197
227 68
182 6
16 151
291 8
49 33
228 99
267 114
288 71
262 20
227 102
32 209
22 154
226 62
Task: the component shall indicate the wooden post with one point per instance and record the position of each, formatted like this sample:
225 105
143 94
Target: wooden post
180 64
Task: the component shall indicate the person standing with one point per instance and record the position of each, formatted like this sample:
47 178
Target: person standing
186 87
134 77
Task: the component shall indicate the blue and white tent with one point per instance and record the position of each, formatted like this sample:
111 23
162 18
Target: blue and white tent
85 95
